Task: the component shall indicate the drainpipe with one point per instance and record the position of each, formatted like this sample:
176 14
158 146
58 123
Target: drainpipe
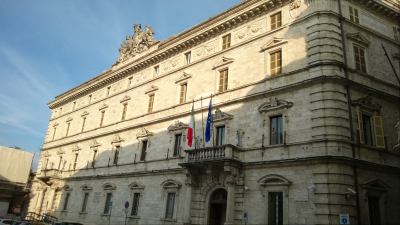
353 141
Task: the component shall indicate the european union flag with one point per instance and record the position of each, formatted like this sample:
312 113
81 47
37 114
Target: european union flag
209 122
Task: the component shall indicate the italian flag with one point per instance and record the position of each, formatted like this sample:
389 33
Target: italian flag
190 130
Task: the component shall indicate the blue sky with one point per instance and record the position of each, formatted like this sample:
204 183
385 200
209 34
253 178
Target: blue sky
50 46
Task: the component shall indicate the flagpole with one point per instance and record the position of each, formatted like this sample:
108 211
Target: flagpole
202 119
212 129
194 126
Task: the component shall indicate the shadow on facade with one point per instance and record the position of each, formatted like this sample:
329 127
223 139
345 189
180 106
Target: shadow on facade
205 178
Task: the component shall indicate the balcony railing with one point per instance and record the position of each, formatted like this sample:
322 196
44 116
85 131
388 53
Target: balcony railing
47 174
216 153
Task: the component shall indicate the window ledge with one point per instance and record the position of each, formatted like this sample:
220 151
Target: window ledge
373 147
83 213
64 211
105 214
168 219
134 217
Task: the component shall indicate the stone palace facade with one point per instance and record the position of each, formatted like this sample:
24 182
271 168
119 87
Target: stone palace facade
306 124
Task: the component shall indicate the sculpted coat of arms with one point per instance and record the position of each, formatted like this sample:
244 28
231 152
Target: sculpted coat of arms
137 43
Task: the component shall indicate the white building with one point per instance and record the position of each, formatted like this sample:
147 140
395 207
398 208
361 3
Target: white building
305 124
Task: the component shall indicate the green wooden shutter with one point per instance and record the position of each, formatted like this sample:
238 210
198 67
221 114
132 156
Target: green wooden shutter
378 131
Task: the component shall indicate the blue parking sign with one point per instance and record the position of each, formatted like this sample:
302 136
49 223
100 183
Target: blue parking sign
344 219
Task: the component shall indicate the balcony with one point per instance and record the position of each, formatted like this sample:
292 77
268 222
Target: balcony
47 174
217 155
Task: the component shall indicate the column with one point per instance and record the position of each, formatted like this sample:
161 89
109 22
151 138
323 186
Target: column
51 202
230 204
188 199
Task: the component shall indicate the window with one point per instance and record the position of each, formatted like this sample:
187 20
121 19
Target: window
182 93
90 99
177 145
169 211
125 107
226 41
59 162
367 129
108 91
130 81
396 33
151 102
354 15
188 56
276 62
83 123
47 163
60 111
144 150
370 128
156 70
65 207
68 125
276 20
102 118
94 158
116 154
374 210
135 204
275 208
223 80
84 202
75 160
276 130
108 204
220 135
73 105
359 58
54 133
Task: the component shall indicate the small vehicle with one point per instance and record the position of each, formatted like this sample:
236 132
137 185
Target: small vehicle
6 221
68 223
21 223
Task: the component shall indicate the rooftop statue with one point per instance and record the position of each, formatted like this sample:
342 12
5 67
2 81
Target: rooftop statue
137 43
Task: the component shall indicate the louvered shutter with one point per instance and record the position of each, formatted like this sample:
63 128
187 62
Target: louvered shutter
378 131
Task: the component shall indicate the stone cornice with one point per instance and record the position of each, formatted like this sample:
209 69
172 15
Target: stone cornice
381 8
173 46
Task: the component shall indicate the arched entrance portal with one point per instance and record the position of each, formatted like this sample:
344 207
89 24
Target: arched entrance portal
217 212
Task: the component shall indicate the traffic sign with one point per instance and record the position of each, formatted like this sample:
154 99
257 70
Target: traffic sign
344 219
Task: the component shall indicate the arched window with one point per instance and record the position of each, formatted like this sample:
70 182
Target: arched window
170 196
275 189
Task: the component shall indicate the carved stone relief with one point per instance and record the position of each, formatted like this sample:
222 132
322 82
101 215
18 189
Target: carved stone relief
177 125
143 132
274 104
251 30
137 43
205 49
295 4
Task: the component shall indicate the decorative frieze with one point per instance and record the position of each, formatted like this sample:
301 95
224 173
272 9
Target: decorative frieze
274 104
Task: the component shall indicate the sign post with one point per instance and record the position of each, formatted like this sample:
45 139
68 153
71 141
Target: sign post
126 205
245 218
344 219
